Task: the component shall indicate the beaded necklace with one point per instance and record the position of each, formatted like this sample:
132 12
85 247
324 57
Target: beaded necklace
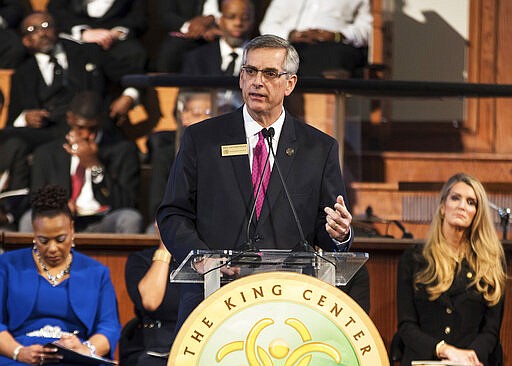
53 279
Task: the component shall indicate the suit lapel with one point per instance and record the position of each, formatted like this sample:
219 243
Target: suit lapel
240 163
287 140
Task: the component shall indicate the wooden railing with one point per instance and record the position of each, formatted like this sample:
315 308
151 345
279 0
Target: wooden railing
113 250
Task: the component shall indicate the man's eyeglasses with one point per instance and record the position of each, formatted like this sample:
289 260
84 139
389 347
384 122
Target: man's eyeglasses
35 28
269 74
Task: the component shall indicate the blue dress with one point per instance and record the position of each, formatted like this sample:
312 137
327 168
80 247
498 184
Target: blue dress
31 309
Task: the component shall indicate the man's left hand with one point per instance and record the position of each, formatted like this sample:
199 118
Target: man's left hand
338 220
121 106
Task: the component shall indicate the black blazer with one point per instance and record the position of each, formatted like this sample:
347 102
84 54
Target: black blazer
12 12
131 14
51 165
153 330
204 60
460 316
87 70
208 198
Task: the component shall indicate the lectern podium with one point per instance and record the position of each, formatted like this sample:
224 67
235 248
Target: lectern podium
335 268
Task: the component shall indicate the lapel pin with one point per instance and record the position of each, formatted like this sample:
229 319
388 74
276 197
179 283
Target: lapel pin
290 151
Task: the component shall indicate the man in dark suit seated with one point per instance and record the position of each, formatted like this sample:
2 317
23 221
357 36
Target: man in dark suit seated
14 175
100 172
45 83
211 191
114 25
224 56
12 51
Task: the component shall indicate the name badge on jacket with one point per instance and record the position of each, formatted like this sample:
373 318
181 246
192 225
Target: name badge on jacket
234 150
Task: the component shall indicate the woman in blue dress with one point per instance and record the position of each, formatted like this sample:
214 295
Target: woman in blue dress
50 292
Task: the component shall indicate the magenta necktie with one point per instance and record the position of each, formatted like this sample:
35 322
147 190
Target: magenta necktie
259 158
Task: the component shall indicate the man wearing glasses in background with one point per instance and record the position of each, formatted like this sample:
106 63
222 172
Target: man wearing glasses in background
211 190
44 84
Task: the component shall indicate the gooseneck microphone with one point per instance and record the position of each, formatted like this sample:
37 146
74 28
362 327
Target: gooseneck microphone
303 245
249 245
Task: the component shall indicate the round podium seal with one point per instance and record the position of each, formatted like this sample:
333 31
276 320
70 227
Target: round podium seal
278 319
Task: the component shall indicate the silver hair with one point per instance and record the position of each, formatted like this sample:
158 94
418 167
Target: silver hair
291 61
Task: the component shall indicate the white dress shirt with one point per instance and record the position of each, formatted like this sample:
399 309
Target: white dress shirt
225 53
352 18
252 128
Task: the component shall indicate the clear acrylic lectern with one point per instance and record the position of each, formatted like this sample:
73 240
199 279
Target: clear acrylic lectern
335 268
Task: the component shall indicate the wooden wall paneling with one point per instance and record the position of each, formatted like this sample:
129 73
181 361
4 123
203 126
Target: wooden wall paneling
5 87
39 5
481 113
504 76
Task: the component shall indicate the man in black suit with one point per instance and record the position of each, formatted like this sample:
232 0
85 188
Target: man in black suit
45 83
114 25
236 25
100 172
224 56
211 190
12 51
14 175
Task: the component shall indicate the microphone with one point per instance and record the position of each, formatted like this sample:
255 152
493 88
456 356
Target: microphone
405 233
371 216
303 244
249 245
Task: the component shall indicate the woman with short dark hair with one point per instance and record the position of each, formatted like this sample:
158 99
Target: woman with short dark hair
50 292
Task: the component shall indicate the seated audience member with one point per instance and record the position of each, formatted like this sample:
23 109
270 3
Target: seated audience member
12 51
50 292
187 24
14 175
101 174
156 308
328 34
451 289
192 107
45 83
224 55
114 25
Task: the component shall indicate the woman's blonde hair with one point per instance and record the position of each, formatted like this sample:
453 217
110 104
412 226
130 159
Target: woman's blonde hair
485 254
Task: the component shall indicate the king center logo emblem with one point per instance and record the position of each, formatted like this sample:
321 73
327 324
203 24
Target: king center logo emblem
278 319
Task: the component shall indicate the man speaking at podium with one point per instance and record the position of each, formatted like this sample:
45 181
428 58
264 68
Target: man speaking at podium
228 189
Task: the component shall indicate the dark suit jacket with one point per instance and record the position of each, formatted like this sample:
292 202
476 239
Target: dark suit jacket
423 323
119 187
209 197
87 70
176 12
131 14
204 60
135 343
12 12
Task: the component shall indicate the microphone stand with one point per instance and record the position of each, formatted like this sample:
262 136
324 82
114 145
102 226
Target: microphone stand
303 244
504 214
